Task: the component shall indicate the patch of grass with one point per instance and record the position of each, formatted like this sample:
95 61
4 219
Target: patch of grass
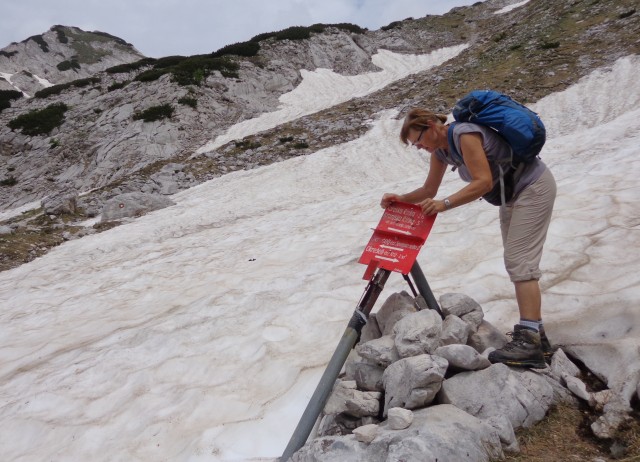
40 122
164 111
565 435
62 37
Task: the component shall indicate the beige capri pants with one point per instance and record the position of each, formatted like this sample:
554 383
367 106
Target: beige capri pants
524 224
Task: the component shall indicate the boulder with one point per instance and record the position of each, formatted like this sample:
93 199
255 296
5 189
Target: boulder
399 418
417 333
462 357
523 398
371 330
63 202
561 365
366 373
393 309
454 330
413 382
346 398
366 433
463 306
381 351
487 336
133 204
438 433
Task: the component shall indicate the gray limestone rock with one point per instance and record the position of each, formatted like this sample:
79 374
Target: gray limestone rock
418 333
462 306
523 398
505 430
399 418
346 398
371 330
133 205
438 433
366 433
413 382
381 351
487 336
394 308
561 365
63 202
454 330
366 373
462 357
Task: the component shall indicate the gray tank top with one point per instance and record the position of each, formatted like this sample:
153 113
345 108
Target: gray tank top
498 152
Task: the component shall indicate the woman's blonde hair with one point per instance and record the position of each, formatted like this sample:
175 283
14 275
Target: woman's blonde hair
417 119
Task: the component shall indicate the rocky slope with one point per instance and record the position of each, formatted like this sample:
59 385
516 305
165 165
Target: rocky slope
135 128
61 54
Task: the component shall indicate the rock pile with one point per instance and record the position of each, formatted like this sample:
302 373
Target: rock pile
420 388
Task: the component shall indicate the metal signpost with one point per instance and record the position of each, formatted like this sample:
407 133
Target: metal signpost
394 247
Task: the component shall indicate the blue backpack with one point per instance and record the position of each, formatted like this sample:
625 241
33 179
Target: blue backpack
517 124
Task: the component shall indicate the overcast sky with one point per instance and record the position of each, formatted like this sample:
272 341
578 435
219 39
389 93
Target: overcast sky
186 27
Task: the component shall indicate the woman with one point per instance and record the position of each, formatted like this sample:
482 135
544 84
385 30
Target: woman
524 218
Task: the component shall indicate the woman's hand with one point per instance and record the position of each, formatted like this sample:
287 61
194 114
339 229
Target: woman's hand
388 199
432 206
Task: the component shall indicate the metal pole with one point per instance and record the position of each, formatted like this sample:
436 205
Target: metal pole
346 344
423 288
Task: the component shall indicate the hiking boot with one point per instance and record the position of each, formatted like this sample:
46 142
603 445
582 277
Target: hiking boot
524 350
547 349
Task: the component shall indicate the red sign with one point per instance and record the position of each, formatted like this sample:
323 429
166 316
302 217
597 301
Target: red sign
397 239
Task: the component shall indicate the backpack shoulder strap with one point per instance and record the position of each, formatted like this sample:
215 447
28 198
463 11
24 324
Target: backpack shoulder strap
456 157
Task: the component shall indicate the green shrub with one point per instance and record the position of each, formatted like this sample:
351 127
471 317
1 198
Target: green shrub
6 96
301 145
261 37
154 113
168 61
40 122
129 67
626 14
239 49
150 75
499 37
293 33
392 25
66 65
39 39
62 37
112 37
188 101
193 70
8 54
54 143
8 181
286 139
57 89
117 85
549 45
